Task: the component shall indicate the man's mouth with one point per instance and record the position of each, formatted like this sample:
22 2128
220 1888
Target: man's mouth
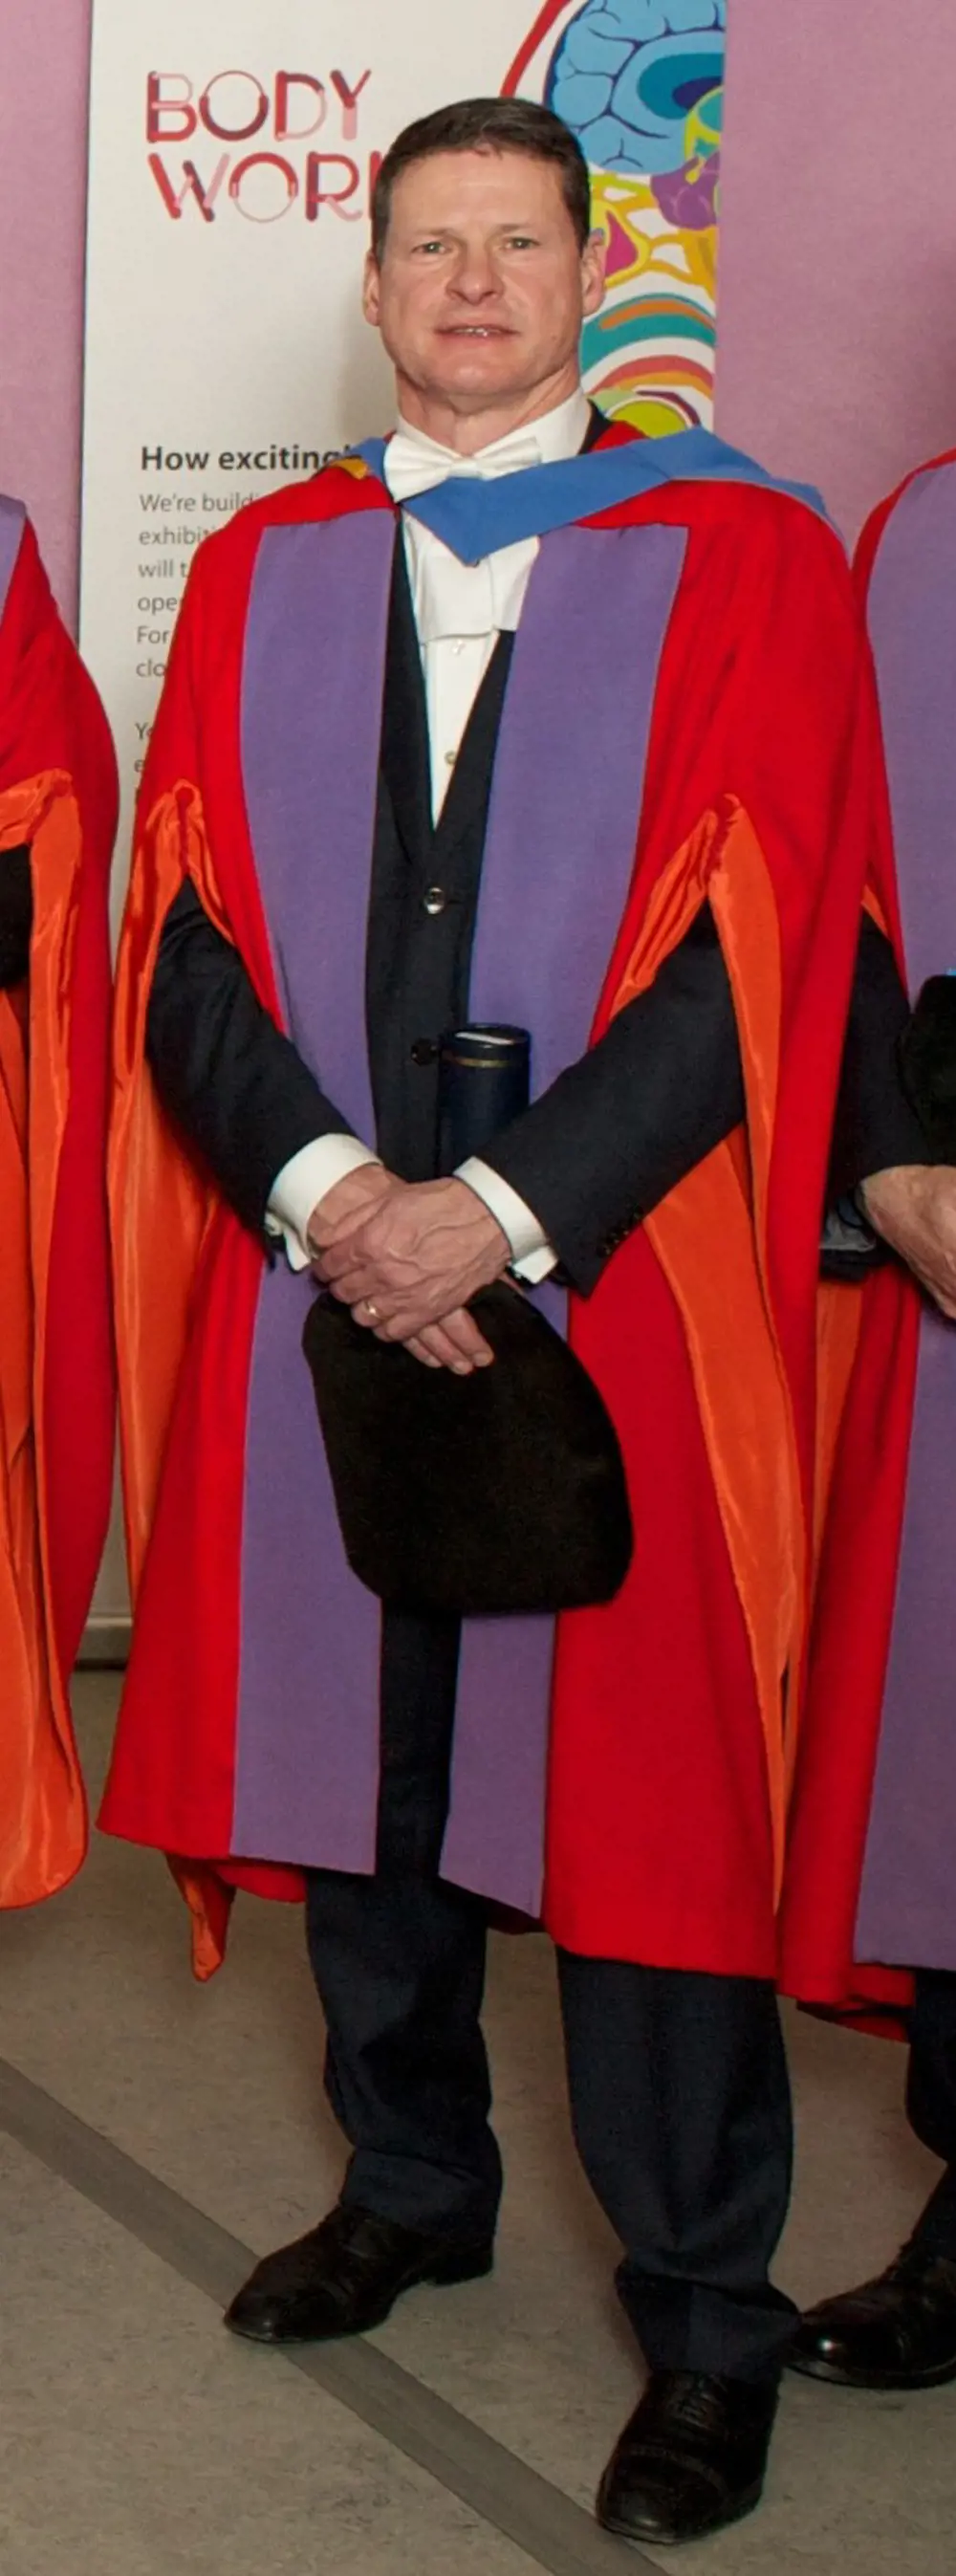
476 331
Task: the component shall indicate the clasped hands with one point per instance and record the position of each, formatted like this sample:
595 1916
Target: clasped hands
406 1257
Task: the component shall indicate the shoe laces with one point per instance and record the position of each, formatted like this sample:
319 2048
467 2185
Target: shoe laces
693 2398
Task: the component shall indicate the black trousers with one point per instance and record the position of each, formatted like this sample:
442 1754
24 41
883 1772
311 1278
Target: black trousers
678 2082
931 2100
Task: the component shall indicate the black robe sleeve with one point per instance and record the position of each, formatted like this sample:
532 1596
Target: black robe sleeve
233 1083
621 1127
624 1124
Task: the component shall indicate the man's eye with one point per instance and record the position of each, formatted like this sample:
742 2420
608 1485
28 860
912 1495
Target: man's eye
427 246
522 241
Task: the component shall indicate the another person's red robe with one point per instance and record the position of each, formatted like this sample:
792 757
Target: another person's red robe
904 571
58 796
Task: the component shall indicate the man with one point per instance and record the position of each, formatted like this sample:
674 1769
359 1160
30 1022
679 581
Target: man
419 714
899 2331
57 821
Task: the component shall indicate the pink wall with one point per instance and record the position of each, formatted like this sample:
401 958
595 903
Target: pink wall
44 63
836 356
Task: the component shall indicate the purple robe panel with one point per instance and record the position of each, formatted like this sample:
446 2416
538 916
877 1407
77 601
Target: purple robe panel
567 788
12 523
562 830
308 1719
907 1912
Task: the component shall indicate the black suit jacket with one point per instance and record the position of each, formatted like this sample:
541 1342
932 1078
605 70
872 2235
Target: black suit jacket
618 1129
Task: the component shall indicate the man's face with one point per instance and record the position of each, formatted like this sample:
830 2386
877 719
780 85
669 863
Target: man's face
482 287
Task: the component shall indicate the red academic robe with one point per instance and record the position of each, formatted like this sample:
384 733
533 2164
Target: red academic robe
909 1782
58 793
713 1728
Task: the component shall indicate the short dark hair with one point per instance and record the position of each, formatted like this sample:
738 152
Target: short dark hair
501 125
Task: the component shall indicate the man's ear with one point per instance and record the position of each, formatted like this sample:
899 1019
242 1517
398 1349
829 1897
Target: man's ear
593 266
371 290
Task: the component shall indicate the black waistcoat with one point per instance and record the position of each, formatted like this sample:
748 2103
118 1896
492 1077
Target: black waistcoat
425 881
424 891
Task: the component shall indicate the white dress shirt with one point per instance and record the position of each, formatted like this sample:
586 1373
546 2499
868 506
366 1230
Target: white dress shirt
460 611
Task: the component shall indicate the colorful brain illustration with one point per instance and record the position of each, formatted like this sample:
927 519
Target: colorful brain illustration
640 84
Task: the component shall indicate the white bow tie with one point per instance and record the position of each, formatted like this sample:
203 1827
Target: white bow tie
411 467
451 598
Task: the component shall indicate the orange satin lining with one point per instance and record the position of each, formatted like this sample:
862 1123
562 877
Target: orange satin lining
745 1406
161 1208
872 905
161 1212
43 1818
210 1901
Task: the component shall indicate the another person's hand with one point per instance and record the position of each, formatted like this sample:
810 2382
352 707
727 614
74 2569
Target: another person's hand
409 1268
914 1208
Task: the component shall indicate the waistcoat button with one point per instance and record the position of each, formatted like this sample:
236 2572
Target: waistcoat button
434 900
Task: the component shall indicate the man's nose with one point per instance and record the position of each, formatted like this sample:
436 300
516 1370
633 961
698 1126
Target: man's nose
476 277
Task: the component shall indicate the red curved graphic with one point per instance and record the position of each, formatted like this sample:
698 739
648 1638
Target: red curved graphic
544 21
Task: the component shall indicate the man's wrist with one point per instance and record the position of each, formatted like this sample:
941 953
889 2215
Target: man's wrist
302 1184
497 1237
528 1251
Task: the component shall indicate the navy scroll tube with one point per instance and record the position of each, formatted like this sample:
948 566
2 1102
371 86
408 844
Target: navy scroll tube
484 1081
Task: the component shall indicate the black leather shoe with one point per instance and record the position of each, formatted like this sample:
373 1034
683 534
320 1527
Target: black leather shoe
692 2458
896 2332
345 2276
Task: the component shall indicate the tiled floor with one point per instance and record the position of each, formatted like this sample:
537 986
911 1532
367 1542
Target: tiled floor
136 2437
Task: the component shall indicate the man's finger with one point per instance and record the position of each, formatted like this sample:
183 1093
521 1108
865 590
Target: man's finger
344 1252
433 1346
406 1319
461 1330
454 1339
442 1346
354 1286
365 1312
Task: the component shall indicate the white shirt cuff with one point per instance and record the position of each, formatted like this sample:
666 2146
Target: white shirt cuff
532 1256
305 1180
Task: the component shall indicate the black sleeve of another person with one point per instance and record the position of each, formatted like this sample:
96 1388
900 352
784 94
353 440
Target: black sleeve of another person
235 1086
875 1126
16 916
664 1086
